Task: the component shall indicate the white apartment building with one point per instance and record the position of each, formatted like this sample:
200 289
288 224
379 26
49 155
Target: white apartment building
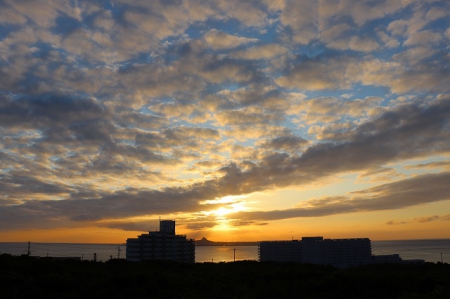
161 245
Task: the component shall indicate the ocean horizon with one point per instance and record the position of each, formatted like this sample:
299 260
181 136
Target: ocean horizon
430 250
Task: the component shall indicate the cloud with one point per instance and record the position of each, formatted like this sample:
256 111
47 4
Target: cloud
363 44
42 14
260 52
243 132
382 174
20 186
287 142
432 165
111 110
398 27
394 222
363 11
46 113
334 32
247 116
10 16
426 219
108 206
389 41
436 13
221 40
131 225
249 13
425 37
411 130
237 223
331 109
301 20
420 220
391 196
315 74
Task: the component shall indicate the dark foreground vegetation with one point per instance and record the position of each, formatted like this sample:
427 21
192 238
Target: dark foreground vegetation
27 277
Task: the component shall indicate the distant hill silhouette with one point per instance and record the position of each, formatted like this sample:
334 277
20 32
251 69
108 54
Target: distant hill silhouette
205 242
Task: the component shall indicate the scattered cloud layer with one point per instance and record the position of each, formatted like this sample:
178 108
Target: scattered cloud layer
115 112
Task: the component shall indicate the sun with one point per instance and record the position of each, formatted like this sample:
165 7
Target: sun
221 212
231 204
227 205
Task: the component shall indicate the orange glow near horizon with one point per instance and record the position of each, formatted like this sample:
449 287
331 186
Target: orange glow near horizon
70 235
407 224
223 232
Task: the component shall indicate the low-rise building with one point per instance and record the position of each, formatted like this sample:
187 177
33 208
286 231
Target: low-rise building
386 258
339 253
161 245
280 251
394 259
343 253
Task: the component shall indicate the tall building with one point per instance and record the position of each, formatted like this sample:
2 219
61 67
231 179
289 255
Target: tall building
339 253
161 245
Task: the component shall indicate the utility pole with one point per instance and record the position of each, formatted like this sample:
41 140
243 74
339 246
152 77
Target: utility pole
234 255
118 252
29 245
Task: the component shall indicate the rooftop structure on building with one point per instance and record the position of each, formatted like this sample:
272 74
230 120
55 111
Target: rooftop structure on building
339 253
161 245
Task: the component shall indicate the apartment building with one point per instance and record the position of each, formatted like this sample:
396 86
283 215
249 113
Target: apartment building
339 253
161 245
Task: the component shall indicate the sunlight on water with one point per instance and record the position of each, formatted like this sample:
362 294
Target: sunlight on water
225 253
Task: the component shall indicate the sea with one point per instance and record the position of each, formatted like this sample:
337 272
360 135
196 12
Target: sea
435 250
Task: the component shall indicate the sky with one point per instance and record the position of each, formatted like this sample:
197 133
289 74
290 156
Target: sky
240 120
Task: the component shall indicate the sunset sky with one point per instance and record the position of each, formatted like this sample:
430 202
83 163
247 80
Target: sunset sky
241 120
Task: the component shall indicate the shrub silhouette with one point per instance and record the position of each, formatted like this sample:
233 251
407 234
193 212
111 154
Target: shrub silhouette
22 277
